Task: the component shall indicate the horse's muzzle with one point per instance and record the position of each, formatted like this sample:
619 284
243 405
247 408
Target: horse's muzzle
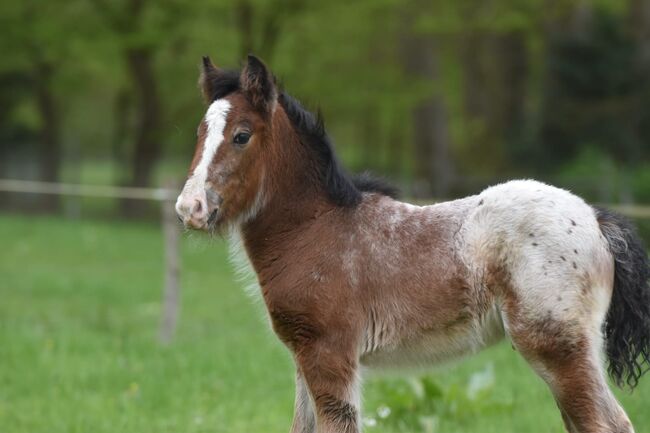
192 210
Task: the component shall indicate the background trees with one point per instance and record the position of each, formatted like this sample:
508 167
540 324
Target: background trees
444 96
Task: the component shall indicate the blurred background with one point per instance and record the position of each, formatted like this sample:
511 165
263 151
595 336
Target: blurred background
444 97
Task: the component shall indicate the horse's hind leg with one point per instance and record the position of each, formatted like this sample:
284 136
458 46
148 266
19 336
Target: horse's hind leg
567 421
583 396
568 359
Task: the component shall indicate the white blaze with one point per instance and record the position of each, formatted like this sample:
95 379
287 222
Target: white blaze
215 120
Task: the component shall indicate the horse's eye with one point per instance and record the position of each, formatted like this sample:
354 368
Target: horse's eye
242 138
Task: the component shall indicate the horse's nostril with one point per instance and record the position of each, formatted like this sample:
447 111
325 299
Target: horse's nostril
197 206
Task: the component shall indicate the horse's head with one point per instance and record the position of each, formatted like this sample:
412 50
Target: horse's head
226 176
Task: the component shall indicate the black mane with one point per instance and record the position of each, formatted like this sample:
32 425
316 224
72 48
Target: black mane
222 84
368 182
341 188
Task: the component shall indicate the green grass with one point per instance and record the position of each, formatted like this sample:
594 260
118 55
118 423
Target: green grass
79 312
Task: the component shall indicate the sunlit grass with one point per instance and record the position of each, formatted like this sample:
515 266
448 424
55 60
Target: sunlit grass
79 311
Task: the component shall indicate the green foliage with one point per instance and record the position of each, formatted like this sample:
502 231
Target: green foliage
524 91
597 89
418 404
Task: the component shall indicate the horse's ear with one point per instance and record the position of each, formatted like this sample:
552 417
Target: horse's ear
258 85
209 76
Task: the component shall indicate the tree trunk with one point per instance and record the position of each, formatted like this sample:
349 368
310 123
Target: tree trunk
370 142
639 24
139 61
474 98
639 18
432 139
509 79
513 58
473 76
244 19
270 20
395 150
494 95
50 133
147 146
121 132
581 19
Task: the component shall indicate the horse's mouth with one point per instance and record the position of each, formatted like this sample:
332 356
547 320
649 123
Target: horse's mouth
213 219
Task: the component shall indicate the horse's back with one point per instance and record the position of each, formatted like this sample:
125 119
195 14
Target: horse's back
522 247
531 218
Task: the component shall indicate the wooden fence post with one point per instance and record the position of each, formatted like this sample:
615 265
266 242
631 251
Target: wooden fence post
171 299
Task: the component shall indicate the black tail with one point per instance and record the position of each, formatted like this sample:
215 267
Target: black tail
628 320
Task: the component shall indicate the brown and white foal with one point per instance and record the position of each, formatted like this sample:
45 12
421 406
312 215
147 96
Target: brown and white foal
354 279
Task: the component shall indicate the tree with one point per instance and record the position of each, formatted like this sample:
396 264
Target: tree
34 45
260 24
127 22
431 135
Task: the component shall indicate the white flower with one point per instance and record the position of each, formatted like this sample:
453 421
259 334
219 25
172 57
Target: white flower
369 422
480 381
383 412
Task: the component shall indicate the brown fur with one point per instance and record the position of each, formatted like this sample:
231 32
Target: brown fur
336 310
318 317
198 151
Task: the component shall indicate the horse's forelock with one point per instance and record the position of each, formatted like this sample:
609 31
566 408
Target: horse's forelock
218 83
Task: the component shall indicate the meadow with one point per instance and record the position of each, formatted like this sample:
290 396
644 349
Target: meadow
79 314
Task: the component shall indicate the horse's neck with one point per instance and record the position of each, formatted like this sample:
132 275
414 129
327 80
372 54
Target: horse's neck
283 216
293 198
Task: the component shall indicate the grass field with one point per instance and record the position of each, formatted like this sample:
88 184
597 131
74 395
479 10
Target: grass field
79 311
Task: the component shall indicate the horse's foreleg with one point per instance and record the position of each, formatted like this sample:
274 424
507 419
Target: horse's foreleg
332 378
304 419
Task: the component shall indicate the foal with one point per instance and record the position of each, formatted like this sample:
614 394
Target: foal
354 279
